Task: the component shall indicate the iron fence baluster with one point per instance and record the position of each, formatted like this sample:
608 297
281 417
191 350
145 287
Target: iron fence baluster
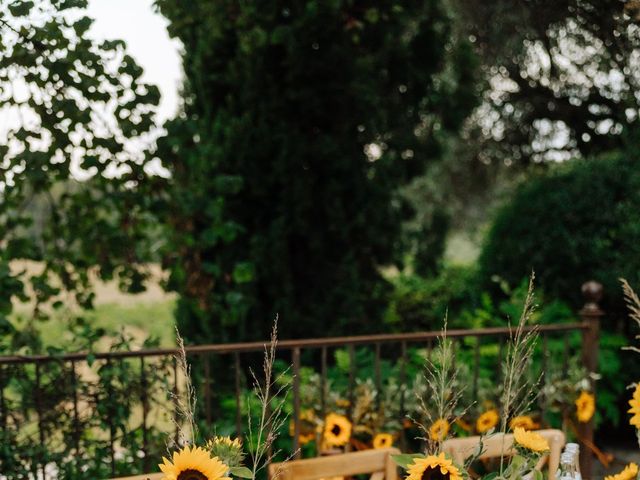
39 413
145 412
543 376
3 407
205 358
76 412
378 375
236 361
352 380
476 366
403 377
323 383
110 415
565 355
176 401
500 358
296 402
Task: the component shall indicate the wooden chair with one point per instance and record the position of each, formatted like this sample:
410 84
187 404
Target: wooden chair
378 463
462 448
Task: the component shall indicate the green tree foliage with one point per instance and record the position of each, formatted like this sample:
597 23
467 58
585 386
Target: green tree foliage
564 77
301 121
578 223
73 109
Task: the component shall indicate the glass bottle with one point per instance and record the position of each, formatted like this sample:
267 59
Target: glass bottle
567 470
574 448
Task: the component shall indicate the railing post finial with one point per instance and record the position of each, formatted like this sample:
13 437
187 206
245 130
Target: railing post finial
592 293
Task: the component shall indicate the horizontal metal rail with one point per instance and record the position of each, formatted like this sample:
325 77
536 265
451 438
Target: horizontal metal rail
226 348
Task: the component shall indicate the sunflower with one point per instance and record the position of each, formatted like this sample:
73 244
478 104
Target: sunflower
523 421
337 430
433 467
487 421
383 440
439 430
193 463
585 406
630 472
530 440
229 451
226 441
635 407
307 427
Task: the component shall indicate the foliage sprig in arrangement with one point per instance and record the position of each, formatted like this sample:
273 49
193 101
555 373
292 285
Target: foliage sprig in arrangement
517 395
222 458
633 303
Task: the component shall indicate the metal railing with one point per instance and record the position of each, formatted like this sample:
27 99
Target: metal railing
293 351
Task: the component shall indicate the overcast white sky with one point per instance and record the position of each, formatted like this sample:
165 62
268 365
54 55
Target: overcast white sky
137 23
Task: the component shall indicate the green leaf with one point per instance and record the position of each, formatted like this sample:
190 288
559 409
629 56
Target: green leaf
490 476
20 9
243 272
405 459
241 472
82 25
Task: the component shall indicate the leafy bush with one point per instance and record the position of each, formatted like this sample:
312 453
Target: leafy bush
419 303
575 224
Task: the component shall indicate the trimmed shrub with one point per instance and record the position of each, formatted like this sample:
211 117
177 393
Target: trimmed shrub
579 222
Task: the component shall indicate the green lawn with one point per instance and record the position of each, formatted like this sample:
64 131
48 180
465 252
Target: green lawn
147 314
139 320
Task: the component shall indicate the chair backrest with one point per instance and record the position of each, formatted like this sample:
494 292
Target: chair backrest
462 448
378 463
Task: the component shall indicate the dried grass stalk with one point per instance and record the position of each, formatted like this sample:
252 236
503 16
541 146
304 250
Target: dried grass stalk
633 304
518 392
441 376
272 394
185 404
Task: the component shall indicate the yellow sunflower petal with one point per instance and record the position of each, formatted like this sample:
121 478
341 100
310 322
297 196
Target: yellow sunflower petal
530 440
446 468
523 421
630 472
193 458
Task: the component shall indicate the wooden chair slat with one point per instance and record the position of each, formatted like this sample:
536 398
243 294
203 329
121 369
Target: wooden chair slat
375 462
461 448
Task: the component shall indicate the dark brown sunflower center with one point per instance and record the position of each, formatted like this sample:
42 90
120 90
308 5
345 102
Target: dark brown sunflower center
192 475
336 430
432 473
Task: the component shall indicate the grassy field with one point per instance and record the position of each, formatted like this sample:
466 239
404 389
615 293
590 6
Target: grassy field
149 314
